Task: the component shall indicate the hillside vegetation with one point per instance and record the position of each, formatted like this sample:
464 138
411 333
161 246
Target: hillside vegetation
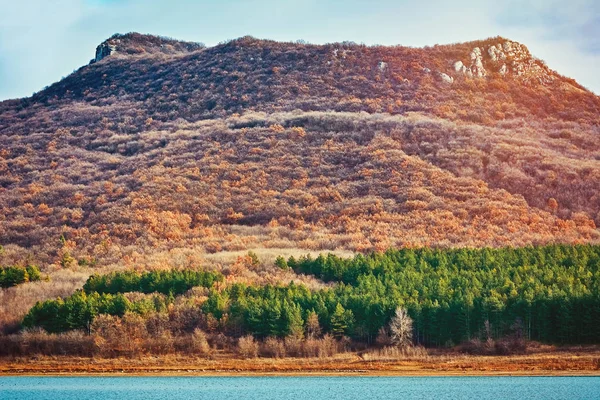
162 145
476 161
472 296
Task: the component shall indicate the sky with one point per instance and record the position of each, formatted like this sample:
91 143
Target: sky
43 41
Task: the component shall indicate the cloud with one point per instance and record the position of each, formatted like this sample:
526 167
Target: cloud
41 41
564 34
574 20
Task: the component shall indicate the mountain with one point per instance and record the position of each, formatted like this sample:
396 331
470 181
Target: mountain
160 146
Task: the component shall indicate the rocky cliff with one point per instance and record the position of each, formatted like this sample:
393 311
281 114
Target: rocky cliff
138 44
504 58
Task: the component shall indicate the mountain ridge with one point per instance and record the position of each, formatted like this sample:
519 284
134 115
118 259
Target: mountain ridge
406 71
503 50
165 145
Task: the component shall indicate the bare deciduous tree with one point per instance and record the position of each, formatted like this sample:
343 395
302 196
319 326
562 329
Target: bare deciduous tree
401 328
313 328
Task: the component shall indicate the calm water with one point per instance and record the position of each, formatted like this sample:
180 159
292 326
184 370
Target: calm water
284 388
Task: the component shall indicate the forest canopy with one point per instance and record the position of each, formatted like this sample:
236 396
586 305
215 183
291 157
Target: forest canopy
549 294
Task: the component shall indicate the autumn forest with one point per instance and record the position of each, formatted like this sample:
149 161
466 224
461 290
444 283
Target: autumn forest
276 199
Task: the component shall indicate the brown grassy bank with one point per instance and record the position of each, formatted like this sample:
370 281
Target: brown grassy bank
572 361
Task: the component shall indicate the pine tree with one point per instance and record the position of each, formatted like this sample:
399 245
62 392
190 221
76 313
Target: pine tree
280 262
292 323
342 321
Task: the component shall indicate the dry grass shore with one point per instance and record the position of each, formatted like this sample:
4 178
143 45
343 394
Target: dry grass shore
562 362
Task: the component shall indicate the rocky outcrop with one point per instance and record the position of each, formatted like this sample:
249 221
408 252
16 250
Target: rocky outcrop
503 69
496 53
505 58
446 78
104 50
460 67
132 44
477 69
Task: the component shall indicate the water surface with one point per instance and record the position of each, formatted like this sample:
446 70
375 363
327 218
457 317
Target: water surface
284 388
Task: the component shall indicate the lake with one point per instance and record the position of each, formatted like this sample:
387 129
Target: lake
262 388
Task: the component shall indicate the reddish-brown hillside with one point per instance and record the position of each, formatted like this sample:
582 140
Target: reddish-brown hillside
160 144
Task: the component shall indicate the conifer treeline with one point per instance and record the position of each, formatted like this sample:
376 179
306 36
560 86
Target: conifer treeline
166 282
550 294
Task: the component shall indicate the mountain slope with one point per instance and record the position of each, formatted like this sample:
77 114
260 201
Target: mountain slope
158 144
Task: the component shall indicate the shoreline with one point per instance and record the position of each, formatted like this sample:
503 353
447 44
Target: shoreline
541 364
548 374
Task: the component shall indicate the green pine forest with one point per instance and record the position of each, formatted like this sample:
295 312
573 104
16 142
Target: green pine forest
549 294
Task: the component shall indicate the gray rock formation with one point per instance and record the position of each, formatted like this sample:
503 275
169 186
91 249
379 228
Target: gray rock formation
446 78
104 50
135 44
496 53
460 67
477 68
508 58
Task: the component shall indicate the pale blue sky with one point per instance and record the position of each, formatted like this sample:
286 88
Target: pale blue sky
42 41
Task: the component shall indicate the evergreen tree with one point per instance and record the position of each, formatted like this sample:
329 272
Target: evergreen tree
342 321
